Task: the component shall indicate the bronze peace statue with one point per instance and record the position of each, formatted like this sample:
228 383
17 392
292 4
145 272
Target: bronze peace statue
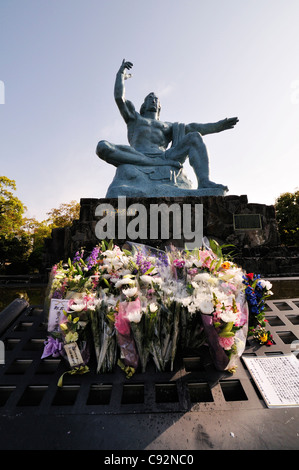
152 164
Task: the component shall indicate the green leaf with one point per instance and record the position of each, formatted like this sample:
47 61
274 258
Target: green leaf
149 270
227 334
106 282
226 330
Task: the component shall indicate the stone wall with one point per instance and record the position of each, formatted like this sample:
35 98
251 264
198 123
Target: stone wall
258 249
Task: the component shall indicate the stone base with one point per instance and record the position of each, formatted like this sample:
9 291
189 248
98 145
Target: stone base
258 247
163 190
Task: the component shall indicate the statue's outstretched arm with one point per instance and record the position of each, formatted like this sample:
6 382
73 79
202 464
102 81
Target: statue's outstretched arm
126 108
212 128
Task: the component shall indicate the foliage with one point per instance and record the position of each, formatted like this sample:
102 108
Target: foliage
22 238
11 208
287 216
64 215
14 252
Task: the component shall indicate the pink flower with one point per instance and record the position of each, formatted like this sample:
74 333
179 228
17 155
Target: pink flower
121 321
226 343
54 270
179 263
192 271
133 311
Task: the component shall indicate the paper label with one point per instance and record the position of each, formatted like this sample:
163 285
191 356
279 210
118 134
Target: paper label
56 315
277 378
73 354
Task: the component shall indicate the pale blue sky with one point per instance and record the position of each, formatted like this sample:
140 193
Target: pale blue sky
206 60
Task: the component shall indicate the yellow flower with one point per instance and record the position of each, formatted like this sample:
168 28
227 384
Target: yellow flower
264 338
63 326
71 337
225 265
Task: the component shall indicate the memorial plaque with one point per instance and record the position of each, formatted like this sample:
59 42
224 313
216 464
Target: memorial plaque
277 378
56 315
247 222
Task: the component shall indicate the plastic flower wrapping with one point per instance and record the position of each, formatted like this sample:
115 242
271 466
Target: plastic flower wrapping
131 306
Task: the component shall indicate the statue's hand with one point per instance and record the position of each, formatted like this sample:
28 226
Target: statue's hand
158 161
126 65
229 123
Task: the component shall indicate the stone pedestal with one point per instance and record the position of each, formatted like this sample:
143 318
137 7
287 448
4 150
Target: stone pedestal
251 228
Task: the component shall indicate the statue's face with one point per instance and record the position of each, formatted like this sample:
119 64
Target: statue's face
152 102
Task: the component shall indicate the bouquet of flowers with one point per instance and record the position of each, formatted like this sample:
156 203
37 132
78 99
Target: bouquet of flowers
257 291
144 303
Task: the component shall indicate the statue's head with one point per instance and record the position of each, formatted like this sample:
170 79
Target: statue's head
151 103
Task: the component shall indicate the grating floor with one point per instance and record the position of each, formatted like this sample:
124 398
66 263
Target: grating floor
28 384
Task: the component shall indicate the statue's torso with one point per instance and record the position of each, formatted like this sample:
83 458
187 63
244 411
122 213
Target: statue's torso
149 135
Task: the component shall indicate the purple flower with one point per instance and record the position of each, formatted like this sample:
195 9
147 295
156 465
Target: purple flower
163 258
57 294
142 262
53 347
78 256
93 257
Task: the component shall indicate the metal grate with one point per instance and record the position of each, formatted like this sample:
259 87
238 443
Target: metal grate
28 384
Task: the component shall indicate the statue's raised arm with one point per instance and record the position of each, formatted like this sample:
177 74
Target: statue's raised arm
126 108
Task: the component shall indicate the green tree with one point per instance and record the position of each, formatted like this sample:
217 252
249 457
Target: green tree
39 231
287 216
11 208
64 215
14 243
22 238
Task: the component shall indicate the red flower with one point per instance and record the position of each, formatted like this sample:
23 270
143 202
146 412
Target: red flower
250 276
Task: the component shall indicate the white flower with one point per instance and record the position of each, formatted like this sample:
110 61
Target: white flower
125 280
197 262
78 307
130 292
202 277
186 301
213 281
192 307
153 307
111 254
92 304
206 306
266 284
167 291
222 297
227 316
146 279
134 315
